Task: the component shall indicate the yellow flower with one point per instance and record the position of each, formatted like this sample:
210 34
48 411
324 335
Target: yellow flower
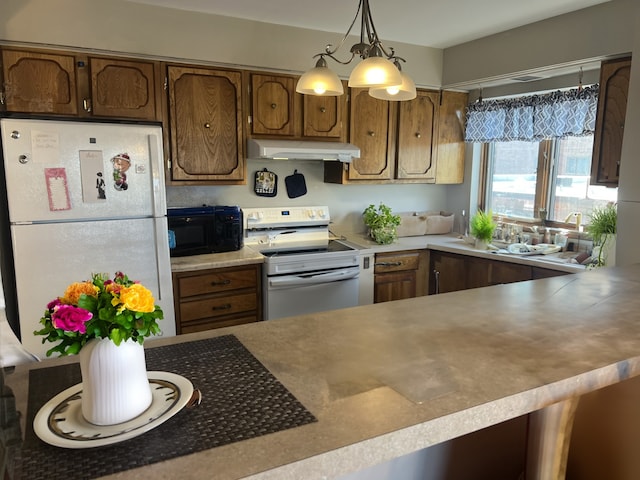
73 292
137 298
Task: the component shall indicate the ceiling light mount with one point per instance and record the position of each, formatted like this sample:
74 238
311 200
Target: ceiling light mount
379 69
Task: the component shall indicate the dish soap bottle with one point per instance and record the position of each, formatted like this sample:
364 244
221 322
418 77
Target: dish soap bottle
547 236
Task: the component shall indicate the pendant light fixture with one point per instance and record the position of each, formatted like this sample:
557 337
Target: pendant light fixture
379 69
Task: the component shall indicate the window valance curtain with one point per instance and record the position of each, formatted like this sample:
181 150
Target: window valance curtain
533 118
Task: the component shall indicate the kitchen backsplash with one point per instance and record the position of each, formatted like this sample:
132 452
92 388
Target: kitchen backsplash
345 202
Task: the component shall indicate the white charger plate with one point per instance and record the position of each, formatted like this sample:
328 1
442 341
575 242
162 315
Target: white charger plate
60 422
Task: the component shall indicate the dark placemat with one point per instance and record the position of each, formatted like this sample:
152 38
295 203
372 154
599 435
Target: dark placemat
241 399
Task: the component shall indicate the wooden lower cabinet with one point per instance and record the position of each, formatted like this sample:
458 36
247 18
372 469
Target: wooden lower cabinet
207 299
400 275
450 272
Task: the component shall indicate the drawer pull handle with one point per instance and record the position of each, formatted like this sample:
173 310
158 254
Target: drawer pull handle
388 264
226 306
223 282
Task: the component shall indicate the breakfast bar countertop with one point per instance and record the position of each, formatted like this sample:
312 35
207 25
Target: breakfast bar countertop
389 379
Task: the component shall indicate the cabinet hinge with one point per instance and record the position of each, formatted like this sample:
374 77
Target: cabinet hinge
165 85
249 119
1 98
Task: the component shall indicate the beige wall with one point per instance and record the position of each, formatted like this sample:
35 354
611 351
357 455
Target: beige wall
119 26
564 41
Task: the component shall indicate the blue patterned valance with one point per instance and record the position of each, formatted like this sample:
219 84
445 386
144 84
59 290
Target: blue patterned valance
537 117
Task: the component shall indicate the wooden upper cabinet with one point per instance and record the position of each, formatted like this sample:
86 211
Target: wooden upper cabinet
37 82
273 105
450 146
205 117
417 123
71 84
369 130
612 108
121 88
324 117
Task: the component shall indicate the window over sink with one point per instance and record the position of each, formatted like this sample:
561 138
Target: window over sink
523 177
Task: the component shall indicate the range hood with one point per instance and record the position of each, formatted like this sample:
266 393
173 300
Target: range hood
301 150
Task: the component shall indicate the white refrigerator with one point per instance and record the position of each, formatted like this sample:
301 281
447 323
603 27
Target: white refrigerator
82 198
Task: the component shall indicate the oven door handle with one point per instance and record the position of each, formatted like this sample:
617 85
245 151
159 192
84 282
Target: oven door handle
314 278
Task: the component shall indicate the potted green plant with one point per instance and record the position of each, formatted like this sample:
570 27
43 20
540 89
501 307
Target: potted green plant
383 225
481 228
602 227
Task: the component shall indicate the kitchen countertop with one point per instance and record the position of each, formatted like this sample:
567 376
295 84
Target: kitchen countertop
447 243
453 243
386 380
244 256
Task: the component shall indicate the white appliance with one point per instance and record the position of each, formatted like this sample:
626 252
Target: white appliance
77 207
305 271
301 150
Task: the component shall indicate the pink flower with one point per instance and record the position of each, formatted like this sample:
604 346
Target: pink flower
53 304
70 318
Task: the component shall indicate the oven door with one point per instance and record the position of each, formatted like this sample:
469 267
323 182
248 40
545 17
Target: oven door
310 292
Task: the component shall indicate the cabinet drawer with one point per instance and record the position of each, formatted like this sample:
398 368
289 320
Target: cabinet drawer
396 262
217 282
217 307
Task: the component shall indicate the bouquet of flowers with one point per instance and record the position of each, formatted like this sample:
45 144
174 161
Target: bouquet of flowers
119 309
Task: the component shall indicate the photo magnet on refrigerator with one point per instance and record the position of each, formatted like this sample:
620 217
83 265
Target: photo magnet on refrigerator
121 164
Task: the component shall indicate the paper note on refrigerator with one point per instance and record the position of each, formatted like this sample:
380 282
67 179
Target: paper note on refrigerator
45 147
92 174
57 189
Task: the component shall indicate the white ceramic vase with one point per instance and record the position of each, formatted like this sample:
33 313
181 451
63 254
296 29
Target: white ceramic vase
481 244
115 386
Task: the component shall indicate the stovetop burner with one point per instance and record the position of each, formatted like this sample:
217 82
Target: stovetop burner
331 247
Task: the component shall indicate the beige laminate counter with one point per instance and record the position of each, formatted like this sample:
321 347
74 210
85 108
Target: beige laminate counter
244 256
388 379
446 243
453 244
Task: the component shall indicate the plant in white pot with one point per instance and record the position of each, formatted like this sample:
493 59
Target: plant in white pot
602 227
481 228
105 321
383 225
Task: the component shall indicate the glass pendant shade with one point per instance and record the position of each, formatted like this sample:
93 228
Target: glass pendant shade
405 91
320 80
375 72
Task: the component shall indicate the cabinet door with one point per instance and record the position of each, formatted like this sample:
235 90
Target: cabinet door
205 117
121 88
324 117
448 272
612 108
394 286
450 146
369 130
39 82
416 135
273 105
505 272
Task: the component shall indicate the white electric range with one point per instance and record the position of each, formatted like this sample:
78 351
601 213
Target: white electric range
305 270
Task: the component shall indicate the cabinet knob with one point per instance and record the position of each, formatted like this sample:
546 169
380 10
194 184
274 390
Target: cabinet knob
323 109
207 125
273 105
418 135
372 134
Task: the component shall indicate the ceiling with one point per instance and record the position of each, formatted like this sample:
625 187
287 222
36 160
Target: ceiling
431 23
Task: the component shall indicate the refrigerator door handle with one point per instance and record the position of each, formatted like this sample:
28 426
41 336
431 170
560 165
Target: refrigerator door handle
157 175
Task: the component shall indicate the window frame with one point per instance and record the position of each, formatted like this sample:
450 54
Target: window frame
544 184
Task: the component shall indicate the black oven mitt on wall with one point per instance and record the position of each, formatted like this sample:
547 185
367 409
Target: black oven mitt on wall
296 186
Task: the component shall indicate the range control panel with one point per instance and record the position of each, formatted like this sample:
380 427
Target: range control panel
287 217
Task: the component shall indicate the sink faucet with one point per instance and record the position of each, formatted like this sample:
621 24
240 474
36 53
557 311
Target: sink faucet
578 217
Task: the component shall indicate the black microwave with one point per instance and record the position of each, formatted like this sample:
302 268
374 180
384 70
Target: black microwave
206 229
